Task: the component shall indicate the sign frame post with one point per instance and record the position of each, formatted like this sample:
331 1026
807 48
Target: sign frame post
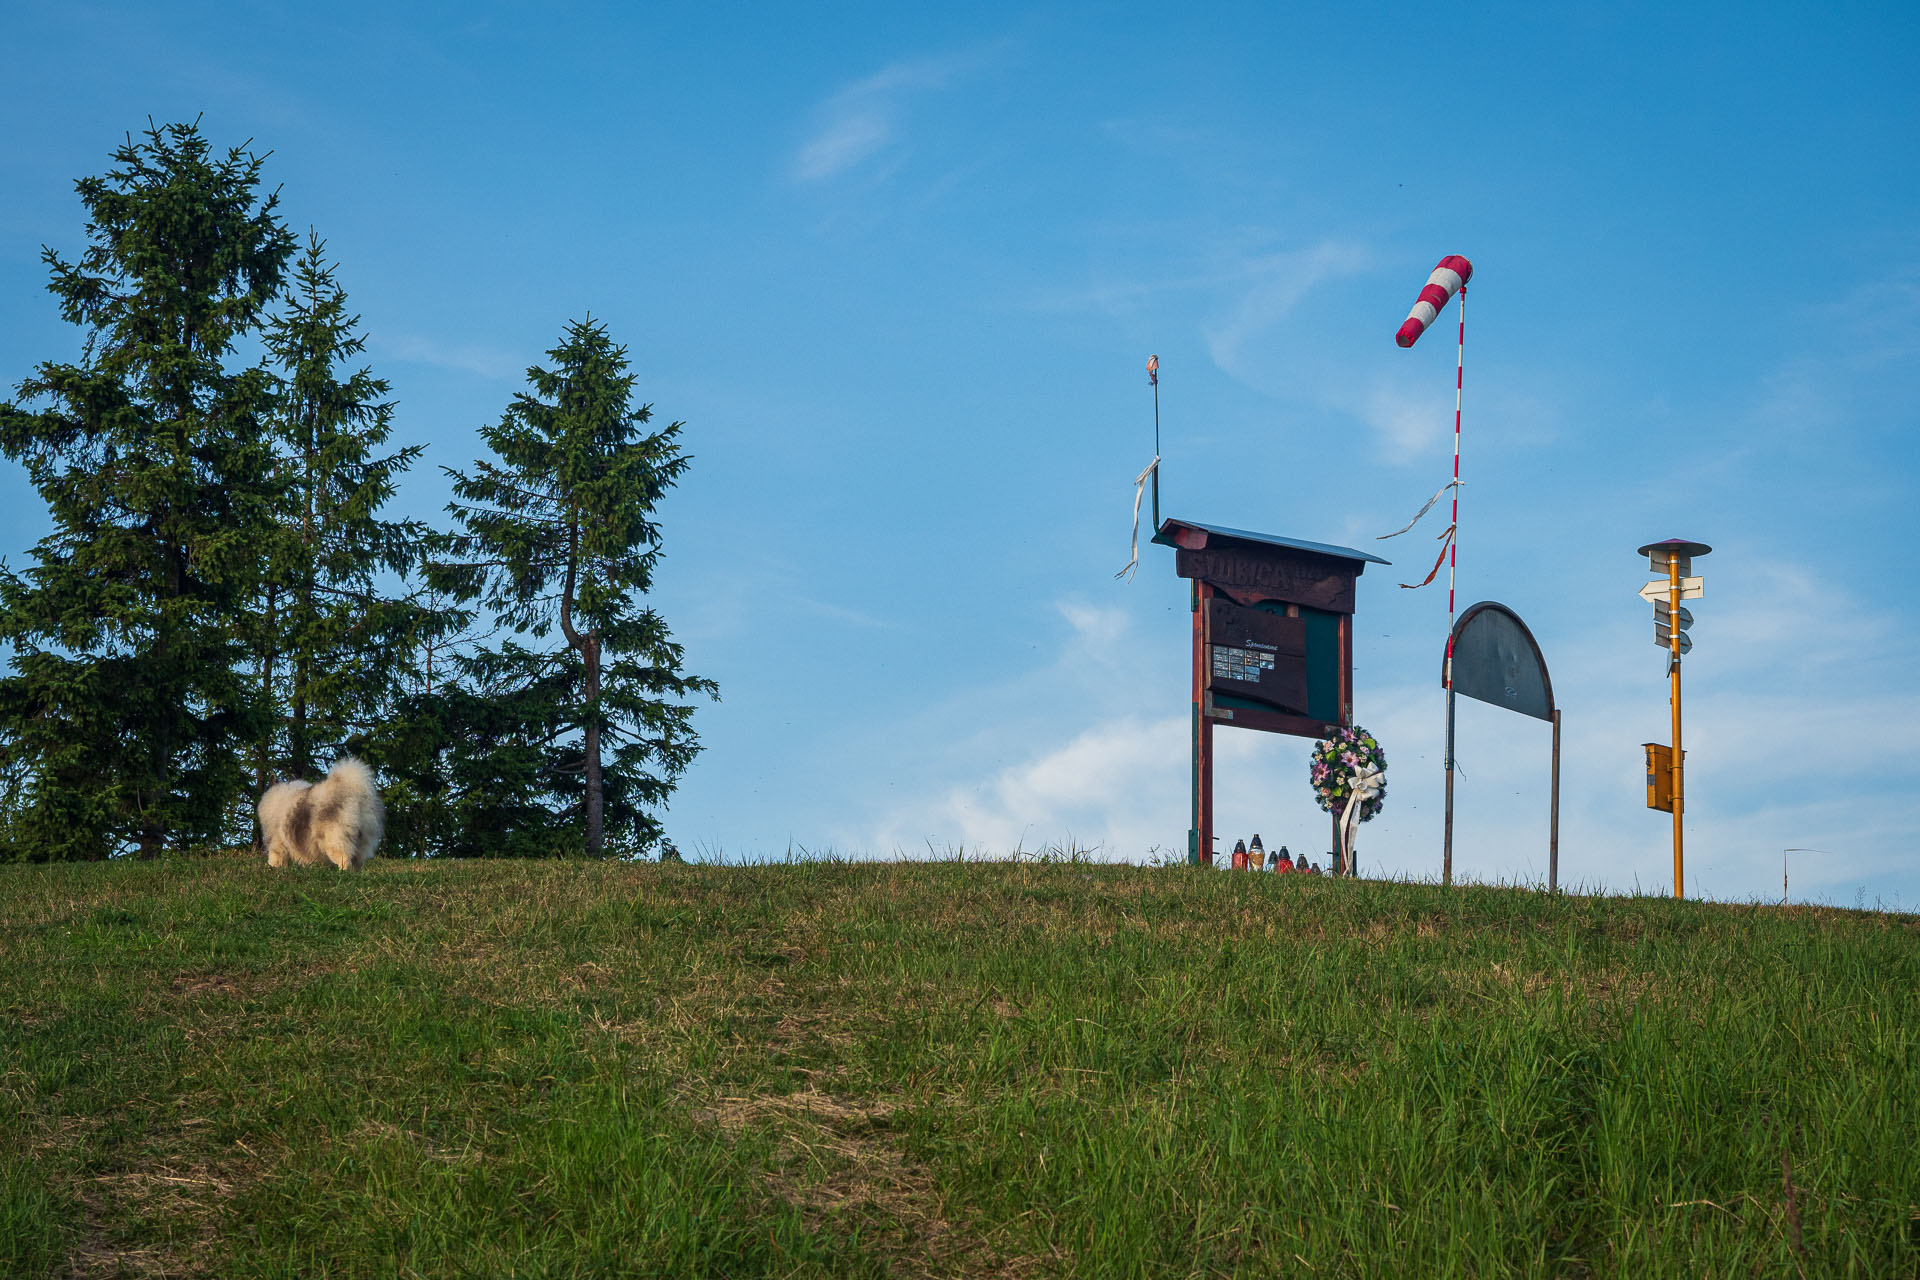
1493 657
1553 814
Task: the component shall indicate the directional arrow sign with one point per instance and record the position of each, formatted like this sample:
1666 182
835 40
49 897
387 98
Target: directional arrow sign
1663 638
1660 615
1690 589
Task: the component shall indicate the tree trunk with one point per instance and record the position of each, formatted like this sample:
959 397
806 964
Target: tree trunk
596 835
263 762
152 827
299 750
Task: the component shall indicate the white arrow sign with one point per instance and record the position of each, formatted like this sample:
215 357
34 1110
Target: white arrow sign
1660 614
1662 638
1690 589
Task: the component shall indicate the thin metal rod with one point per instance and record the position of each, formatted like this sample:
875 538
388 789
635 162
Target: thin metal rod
1453 557
1156 451
1783 867
1446 860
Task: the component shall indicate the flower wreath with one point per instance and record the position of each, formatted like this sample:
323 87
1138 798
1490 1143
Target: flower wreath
1338 761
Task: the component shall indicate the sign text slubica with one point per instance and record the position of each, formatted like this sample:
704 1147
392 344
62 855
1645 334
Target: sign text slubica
1266 576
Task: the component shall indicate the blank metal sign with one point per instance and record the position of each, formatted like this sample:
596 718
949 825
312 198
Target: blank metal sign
1495 659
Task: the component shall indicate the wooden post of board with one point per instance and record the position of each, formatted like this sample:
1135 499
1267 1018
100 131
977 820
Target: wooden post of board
1206 739
1346 670
1349 857
1200 837
1193 826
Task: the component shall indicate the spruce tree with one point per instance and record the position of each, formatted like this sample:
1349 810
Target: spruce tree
558 531
331 641
127 712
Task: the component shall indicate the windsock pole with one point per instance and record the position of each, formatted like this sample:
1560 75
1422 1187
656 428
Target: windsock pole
1450 276
1453 554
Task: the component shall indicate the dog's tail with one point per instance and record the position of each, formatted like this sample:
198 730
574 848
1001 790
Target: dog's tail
351 776
349 785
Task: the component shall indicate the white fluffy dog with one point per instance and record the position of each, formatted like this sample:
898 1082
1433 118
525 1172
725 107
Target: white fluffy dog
339 819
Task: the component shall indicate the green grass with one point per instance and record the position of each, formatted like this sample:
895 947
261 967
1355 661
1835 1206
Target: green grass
569 1069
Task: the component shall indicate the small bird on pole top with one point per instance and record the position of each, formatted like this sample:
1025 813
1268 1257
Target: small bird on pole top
1153 371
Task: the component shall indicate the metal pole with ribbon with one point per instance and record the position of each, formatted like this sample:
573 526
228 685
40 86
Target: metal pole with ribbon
1153 380
1150 472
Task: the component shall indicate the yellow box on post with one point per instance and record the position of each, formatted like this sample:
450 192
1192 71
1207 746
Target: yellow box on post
1659 776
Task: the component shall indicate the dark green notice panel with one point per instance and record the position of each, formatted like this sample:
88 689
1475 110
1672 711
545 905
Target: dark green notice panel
1323 664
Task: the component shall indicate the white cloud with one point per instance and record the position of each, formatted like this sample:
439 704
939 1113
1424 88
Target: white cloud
841 613
1252 335
1071 753
1108 789
488 362
863 118
1404 421
1271 286
1850 365
850 137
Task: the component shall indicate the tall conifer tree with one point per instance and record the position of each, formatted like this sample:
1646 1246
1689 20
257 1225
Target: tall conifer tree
127 710
560 531
332 643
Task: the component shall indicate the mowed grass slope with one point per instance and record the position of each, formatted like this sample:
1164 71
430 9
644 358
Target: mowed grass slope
571 1069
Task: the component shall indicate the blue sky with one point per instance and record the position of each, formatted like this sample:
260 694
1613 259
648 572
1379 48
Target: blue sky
899 273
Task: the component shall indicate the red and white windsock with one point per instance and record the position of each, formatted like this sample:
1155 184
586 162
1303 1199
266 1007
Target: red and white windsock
1445 281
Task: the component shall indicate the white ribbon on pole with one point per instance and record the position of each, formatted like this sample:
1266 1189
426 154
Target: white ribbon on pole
1365 788
1422 511
1139 491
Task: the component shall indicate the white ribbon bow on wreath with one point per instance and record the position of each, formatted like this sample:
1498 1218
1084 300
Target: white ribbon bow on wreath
1365 787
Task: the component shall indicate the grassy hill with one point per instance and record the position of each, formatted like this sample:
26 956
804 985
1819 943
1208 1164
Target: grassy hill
573 1069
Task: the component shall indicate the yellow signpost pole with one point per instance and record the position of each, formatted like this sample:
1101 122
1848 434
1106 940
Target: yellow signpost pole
1667 772
1673 674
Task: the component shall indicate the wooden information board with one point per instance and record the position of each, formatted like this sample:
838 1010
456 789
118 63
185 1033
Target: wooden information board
1272 641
